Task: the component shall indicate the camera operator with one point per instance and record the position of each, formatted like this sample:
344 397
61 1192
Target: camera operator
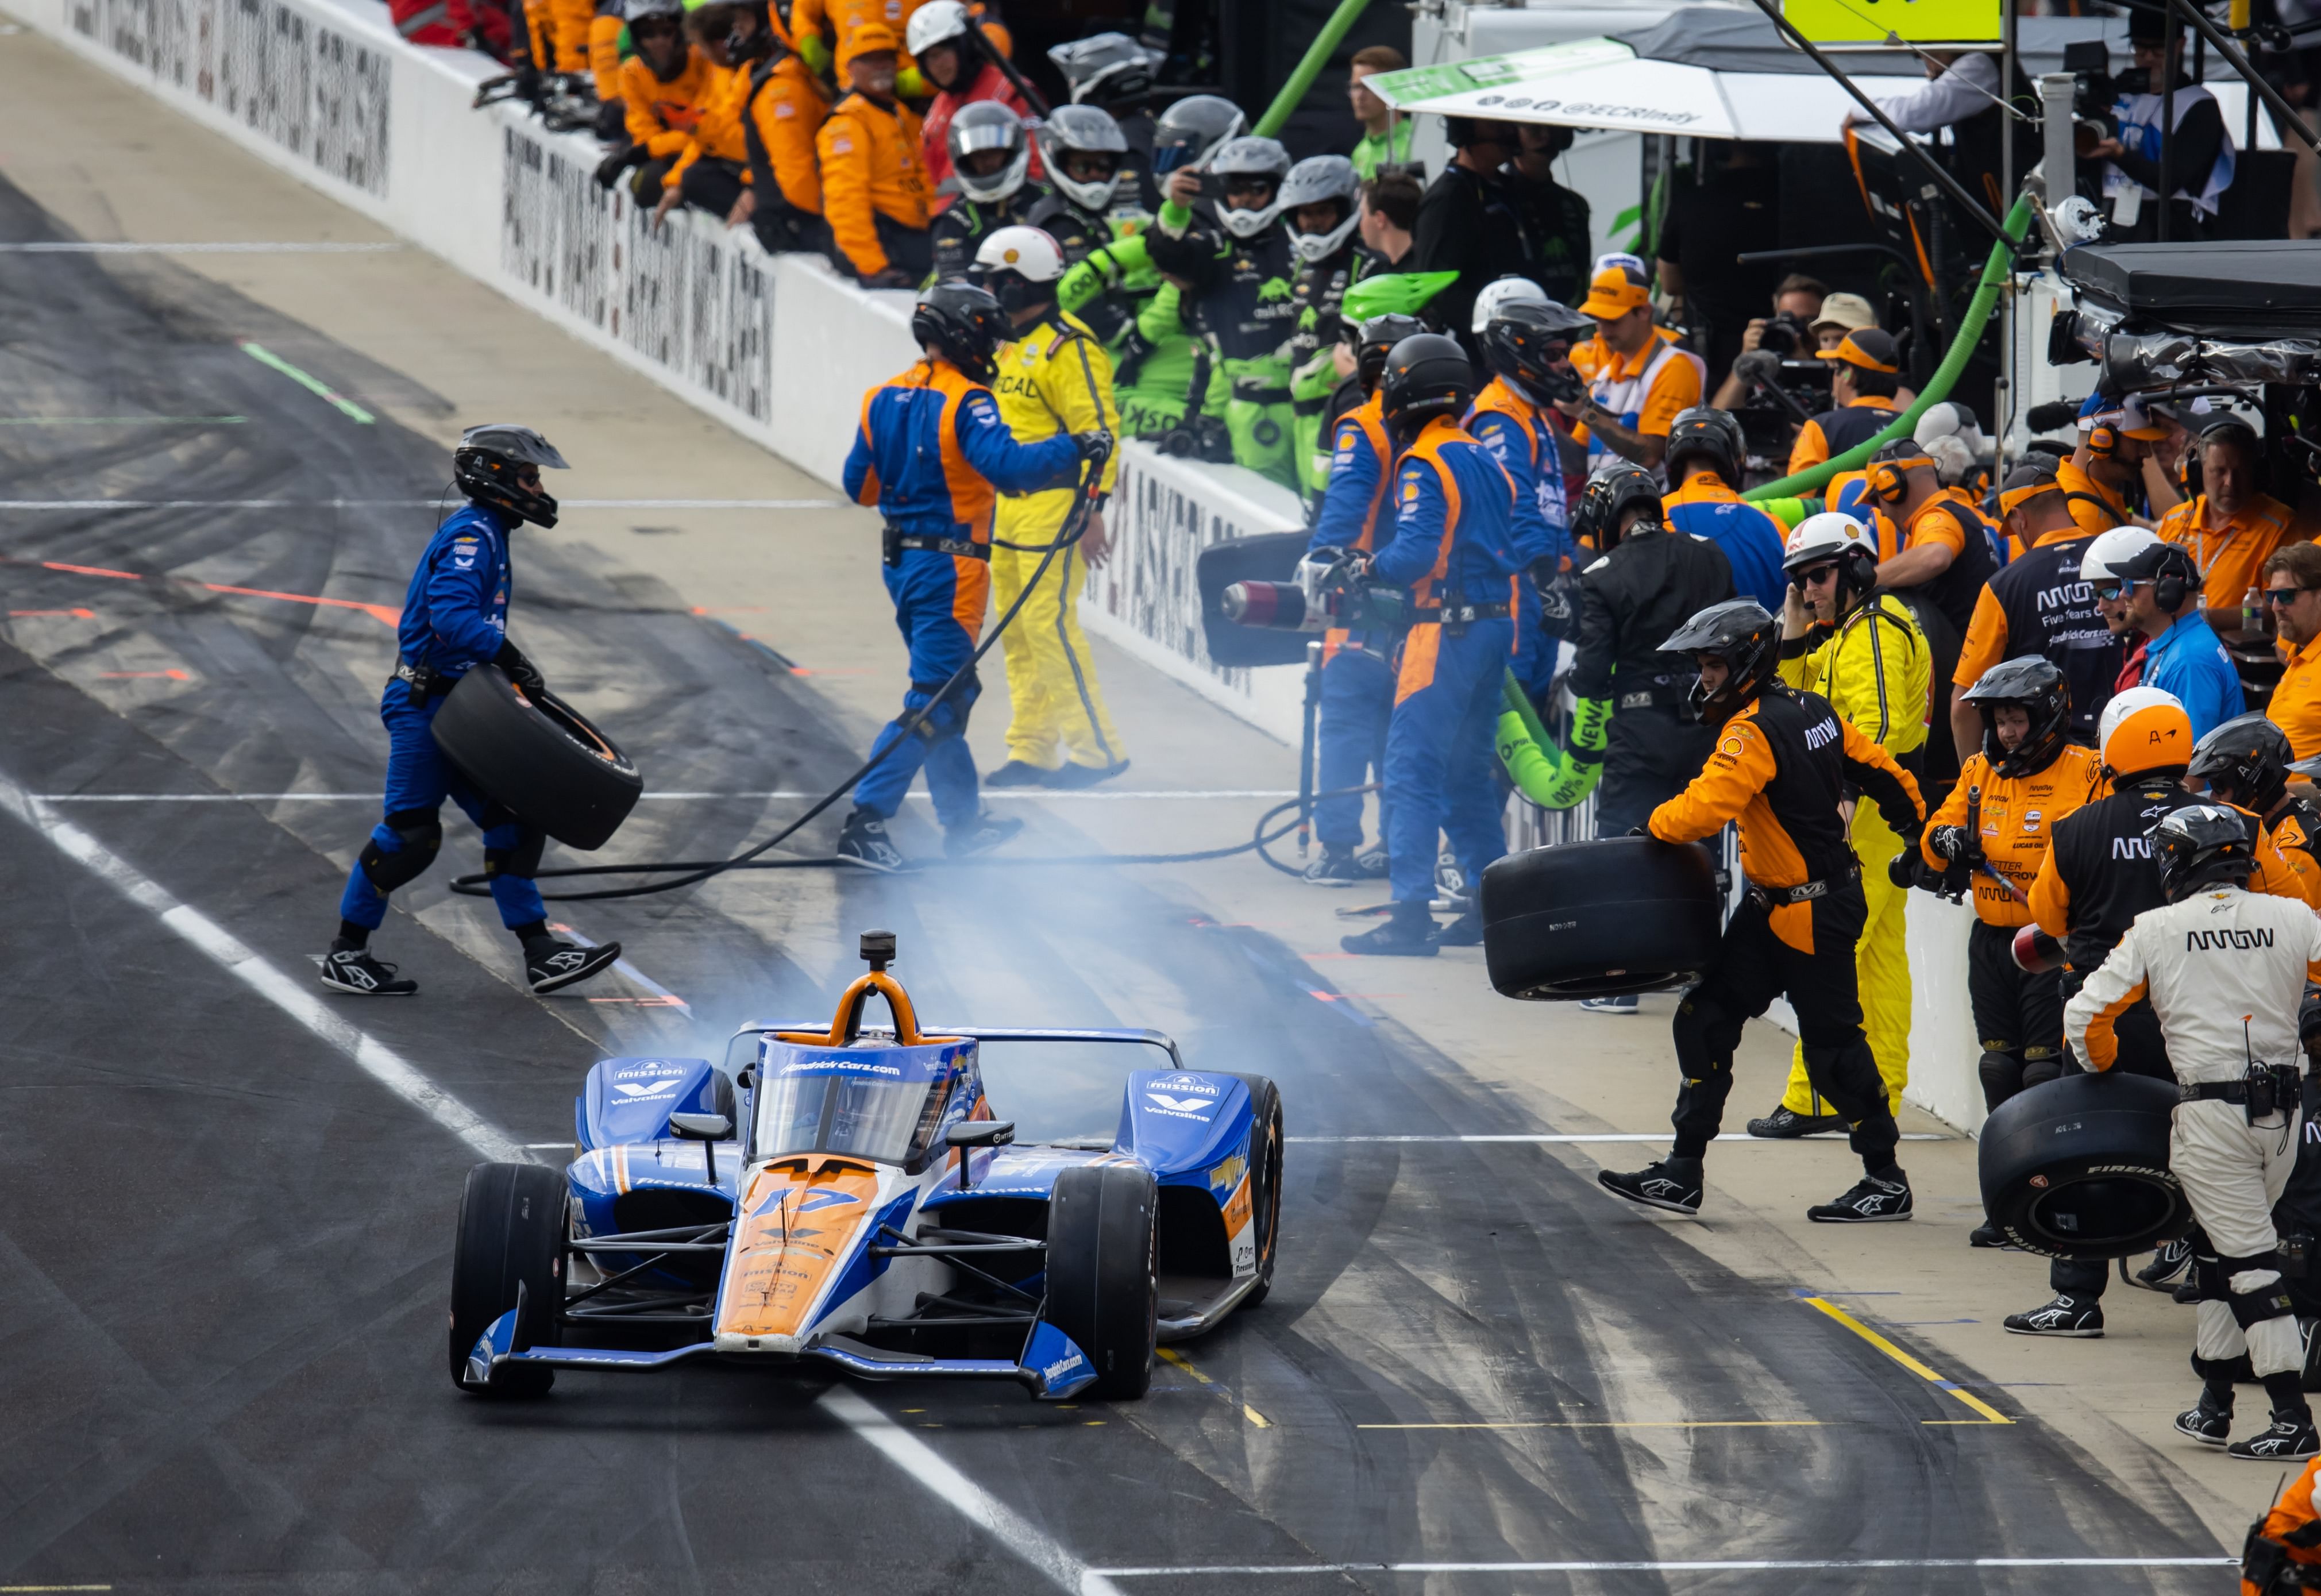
1640 382
2225 970
1865 370
1646 583
1790 333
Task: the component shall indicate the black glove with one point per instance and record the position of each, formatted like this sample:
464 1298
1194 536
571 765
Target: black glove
611 121
520 670
609 169
1095 446
1902 870
1958 844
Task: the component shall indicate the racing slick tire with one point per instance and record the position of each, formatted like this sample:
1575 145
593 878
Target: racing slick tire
542 760
1102 1291
1593 920
2078 1167
1264 1179
1269 556
511 1232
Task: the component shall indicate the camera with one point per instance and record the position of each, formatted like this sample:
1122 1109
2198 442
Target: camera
1199 437
1325 593
1788 335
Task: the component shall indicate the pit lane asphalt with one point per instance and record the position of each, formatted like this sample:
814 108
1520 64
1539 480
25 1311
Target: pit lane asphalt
224 1252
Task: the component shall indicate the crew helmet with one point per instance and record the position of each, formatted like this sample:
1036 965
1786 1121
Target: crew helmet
1374 339
940 22
1705 430
1019 267
1832 536
964 324
984 125
2032 682
1105 68
636 11
1250 156
1190 131
1527 342
2248 756
486 461
1316 180
1508 290
1747 638
2202 845
1611 493
1082 129
2143 730
1426 374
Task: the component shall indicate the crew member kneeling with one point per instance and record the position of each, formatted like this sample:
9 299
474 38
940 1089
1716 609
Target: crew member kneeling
455 619
1782 764
931 449
2225 970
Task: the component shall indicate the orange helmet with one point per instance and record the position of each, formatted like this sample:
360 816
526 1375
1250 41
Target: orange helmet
2144 729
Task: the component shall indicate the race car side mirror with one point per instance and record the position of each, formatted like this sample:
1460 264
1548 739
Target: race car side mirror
966 1134
701 1127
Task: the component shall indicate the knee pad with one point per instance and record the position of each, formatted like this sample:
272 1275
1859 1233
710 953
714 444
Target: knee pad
523 860
948 719
2038 1071
418 836
2255 1290
2001 1073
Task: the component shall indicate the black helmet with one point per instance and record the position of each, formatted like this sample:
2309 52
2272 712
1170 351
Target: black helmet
1105 68
1525 342
2201 846
485 466
1740 633
1613 491
964 324
758 43
1426 374
2248 755
2034 682
1373 341
1190 131
1705 430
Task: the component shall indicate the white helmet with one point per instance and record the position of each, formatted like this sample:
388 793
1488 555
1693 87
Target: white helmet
2112 549
1499 295
1315 180
989 124
2144 729
1027 251
1088 130
937 21
1833 535
1251 156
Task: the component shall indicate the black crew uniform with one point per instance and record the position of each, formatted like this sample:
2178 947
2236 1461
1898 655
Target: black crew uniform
1631 600
1558 251
2041 605
1466 224
1736 210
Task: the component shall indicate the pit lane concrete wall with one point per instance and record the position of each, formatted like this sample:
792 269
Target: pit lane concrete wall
777 347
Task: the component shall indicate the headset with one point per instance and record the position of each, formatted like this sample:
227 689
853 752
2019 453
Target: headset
2103 441
1888 482
2173 579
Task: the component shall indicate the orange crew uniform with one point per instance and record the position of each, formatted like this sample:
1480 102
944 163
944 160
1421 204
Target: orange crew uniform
663 115
2231 556
870 168
2093 505
2296 704
605 50
2294 1521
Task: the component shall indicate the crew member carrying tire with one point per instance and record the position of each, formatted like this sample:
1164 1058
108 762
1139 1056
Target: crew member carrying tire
2225 970
1990 837
1848 640
1645 582
1782 762
929 450
2097 878
455 619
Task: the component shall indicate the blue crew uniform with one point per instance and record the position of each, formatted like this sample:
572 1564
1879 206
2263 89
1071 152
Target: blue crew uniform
928 453
2188 662
1357 667
1454 545
454 617
1520 437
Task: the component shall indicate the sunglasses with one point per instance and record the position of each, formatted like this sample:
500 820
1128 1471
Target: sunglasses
2112 592
2282 597
1813 577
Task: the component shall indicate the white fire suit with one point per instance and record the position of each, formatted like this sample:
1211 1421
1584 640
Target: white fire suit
2225 970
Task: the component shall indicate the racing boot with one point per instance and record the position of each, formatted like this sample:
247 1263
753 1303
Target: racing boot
1073 778
1373 864
1874 1199
986 832
1337 867
2171 1265
863 841
1986 1235
1672 1184
1617 1003
1410 931
551 963
1785 1124
1016 774
2210 1421
347 968
2291 1437
2066 1316
1465 932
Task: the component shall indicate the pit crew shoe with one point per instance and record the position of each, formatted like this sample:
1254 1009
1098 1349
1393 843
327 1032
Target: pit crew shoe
1670 1183
863 841
986 832
1986 1235
2288 1438
1620 1003
1409 932
1073 778
1373 864
550 965
2208 1424
2065 1317
1465 932
2170 1265
1874 1199
1337 867
353 969
1016 774
1785 1124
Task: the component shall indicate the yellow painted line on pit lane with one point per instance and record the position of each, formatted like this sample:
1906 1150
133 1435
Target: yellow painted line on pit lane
1171 1355
1990 1415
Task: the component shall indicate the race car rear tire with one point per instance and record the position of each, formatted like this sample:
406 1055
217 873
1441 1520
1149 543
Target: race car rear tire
2078 1167
541 761
1264 1179
1102 1291
1590 919
512 1224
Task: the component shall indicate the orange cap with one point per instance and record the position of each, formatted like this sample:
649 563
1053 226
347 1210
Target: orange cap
1614 291
865 40
1868 348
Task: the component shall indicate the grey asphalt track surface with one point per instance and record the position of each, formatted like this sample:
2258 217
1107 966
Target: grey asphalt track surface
225 1252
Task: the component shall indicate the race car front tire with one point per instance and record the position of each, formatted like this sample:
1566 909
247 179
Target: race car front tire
1102 1291
1264 1179
511 1232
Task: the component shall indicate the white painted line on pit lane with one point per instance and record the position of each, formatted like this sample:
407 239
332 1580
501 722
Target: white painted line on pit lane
86 247
374 1058
408 504
1624 1135
627 968
916 1458
1155 795
1768 1566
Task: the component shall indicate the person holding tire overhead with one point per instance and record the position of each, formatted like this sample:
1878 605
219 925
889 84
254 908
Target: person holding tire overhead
1782 762
2225 970
930 452
455 619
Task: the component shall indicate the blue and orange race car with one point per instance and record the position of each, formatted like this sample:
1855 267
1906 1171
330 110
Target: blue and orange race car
844 1197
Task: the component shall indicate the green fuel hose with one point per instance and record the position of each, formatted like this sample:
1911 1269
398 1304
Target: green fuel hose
1317 56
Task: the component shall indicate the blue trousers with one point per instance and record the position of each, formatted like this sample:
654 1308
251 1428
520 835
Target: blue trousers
1438 753
1538 632
418 779
939 603
1350 741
